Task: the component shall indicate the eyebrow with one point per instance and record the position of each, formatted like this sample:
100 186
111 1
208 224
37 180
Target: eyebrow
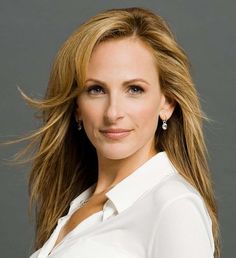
124 83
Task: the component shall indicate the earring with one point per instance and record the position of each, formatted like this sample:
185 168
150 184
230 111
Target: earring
164 125
79 125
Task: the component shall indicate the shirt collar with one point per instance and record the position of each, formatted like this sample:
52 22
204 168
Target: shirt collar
131 188
79 200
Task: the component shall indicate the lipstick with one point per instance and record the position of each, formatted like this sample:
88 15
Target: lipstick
115 133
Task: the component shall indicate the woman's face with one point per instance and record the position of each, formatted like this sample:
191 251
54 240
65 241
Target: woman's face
122 99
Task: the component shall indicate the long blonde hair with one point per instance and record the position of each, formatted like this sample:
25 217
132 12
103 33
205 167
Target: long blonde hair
62 166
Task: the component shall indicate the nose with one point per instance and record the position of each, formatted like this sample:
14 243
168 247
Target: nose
114 110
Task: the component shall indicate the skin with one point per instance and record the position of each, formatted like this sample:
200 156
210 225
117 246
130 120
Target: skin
108 102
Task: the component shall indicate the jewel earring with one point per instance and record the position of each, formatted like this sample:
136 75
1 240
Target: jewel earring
164 125
79 125
164 122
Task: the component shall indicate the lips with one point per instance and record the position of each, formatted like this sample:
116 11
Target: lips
115 133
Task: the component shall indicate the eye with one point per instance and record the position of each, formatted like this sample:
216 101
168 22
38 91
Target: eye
95 90
135 89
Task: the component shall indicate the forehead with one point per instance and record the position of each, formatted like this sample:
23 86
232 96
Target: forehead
122 56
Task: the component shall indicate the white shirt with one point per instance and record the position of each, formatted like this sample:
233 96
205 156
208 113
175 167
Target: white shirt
152 213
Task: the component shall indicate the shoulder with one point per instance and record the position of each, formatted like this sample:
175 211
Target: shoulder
180 216
174 195
172 188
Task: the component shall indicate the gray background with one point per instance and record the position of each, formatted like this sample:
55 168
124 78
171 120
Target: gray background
30 34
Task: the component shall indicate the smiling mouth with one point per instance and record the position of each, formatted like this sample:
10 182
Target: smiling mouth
115 134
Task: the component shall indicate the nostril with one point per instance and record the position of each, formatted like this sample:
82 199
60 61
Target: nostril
113 112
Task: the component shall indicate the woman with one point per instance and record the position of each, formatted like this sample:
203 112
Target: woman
121 168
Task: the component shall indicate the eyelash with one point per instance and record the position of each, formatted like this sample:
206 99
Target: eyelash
92 88
96 87
140 89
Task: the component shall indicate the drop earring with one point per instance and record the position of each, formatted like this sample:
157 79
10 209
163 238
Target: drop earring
164 124
79 125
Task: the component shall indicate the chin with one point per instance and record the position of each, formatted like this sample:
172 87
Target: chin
116 154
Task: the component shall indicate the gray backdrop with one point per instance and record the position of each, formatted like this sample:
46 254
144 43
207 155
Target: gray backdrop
31 33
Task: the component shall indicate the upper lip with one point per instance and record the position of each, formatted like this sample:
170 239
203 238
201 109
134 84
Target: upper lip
115 130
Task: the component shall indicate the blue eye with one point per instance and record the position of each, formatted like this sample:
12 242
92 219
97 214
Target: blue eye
95 90
134 89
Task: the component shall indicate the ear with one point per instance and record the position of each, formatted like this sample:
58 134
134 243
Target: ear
167 108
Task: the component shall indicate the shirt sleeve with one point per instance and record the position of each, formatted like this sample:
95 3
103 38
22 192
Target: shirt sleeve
183 231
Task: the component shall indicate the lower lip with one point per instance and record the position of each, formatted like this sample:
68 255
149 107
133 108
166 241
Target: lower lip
116 136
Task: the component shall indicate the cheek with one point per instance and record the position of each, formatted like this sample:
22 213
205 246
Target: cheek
88 111
90 117
147 112
148 120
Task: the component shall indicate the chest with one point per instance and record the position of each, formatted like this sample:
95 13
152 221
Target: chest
108 234
91 207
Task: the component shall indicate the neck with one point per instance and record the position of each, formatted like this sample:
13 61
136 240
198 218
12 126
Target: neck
112 171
